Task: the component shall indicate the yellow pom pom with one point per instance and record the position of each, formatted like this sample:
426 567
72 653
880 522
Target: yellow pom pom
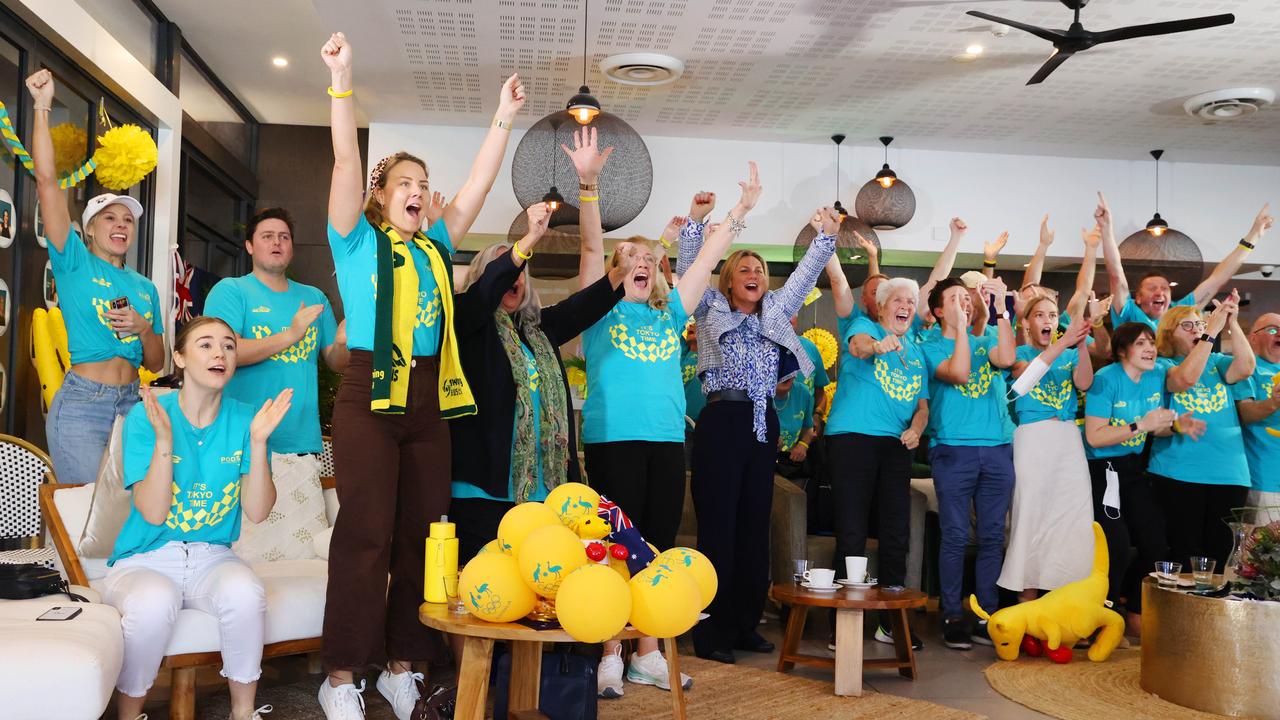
688 560
826 344
145 376
70 147
520 521
491 588
125 155
571 502
547 556
664 603
594 604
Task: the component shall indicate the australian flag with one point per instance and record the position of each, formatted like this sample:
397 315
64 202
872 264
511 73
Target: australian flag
625 533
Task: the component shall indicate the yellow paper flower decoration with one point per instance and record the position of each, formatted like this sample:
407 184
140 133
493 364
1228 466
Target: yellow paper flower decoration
826 343
125 155
831 394
70 147
577 377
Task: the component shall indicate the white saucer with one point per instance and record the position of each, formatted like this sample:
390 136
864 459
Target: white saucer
819 588
871 582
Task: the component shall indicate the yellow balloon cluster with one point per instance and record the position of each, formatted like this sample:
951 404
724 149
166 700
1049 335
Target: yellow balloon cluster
541 552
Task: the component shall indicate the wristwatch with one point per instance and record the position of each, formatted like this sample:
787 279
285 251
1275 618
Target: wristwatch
1133 427
1205 337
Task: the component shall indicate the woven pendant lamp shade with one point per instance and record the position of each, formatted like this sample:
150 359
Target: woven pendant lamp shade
625 182
885 208
1173 254
846 248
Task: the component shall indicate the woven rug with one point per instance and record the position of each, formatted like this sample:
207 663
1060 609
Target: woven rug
1084 690
736 692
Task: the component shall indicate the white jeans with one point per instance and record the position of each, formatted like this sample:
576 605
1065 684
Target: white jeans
150 588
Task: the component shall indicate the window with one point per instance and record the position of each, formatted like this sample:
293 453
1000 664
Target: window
210 104
131 23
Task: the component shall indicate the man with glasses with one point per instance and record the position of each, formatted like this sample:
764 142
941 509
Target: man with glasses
1154 294
1262 412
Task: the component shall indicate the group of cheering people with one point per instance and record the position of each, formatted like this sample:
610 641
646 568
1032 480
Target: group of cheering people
456 400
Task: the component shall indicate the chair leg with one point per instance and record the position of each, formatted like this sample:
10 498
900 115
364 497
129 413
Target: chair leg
314 664
182 700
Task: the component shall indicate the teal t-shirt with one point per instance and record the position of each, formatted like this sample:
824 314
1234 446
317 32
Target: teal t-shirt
207 465
694 398
1132 313
1261 449
634 389
86 286
255 311
976 413
1217 458
1116 398
463 489
795 413
356 259
878 395
817 379
1054 396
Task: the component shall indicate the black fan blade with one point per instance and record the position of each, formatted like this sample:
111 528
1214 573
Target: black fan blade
1042 33
1162 28
1058 57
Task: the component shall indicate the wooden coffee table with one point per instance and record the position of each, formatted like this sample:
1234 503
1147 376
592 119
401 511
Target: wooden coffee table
849 604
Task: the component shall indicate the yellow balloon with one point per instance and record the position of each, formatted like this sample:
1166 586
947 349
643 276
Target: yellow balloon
494 545
594 604
547 556
684 559
522 520
492 590
620 567
571 501
664 603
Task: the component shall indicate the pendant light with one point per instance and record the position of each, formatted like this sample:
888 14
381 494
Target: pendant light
1160 249
1157 225
553 198
847 248
583 106
837 139
886 202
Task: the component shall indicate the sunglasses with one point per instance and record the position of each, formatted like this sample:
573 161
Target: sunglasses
1269 330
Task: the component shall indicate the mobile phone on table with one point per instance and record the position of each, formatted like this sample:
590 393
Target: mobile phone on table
121 303
60 613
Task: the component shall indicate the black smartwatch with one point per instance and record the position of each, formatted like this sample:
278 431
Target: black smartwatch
1205 337
1133 427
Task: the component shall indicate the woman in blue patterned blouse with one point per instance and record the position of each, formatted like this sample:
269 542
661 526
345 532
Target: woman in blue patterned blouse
743 328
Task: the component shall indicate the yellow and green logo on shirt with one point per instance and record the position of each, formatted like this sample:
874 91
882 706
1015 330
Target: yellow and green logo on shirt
650 346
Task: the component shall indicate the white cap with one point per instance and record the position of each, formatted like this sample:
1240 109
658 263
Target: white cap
973 279
98 202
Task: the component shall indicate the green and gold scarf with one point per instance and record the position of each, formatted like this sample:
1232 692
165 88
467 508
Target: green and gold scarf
395 315
553 428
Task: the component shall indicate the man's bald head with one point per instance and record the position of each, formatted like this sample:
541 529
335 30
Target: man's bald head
1265 337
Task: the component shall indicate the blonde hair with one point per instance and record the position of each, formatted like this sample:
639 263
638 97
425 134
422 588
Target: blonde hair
529 313
1029 308
731 264
373 210
659 290
1165 346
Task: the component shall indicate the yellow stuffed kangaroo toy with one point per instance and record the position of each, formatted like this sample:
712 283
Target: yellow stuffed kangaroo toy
1060 618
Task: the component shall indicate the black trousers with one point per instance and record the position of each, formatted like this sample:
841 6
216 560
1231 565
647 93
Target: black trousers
732 496
646 480
871 472
1196 518
1141 525
477 522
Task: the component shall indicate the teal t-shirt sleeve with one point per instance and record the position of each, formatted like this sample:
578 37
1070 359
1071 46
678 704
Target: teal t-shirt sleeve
862 326
73 254
139 443
807 421
361 237
440 233
226 301
1026 353
246 460
157 319
1098 401
327 322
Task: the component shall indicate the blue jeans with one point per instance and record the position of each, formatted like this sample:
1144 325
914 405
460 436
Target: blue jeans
79 425
981 477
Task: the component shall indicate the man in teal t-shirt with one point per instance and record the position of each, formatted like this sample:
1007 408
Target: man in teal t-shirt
1261 448
284 328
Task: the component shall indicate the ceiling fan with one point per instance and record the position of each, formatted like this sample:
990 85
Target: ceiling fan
1076 39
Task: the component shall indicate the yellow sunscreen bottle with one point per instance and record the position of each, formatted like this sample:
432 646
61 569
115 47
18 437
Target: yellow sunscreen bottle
442 560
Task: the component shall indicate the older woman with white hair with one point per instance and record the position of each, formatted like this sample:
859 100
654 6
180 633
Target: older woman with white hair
877 417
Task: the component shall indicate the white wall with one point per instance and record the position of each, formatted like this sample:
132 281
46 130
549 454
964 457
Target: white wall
1214 204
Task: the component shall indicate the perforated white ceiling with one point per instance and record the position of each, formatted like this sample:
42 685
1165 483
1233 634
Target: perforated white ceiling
787 70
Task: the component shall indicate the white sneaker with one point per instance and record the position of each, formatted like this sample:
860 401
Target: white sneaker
343 702
401 690
652 669
609 675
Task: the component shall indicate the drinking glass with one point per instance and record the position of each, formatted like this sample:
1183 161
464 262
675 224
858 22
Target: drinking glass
1167 573
1202 570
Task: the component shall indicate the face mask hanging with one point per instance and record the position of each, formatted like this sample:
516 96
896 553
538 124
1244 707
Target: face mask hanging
1111 496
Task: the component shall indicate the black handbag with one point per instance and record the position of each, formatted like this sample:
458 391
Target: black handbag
567 690
23 581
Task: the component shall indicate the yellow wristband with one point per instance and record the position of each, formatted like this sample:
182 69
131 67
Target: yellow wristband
339 95
801 442
588 198
515 248
665 242
1176 427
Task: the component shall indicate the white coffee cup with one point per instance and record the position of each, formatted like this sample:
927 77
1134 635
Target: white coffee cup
820 577
855 568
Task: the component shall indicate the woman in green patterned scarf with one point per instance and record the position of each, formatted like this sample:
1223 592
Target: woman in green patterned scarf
521 442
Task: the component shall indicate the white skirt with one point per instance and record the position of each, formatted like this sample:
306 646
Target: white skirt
1051 538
